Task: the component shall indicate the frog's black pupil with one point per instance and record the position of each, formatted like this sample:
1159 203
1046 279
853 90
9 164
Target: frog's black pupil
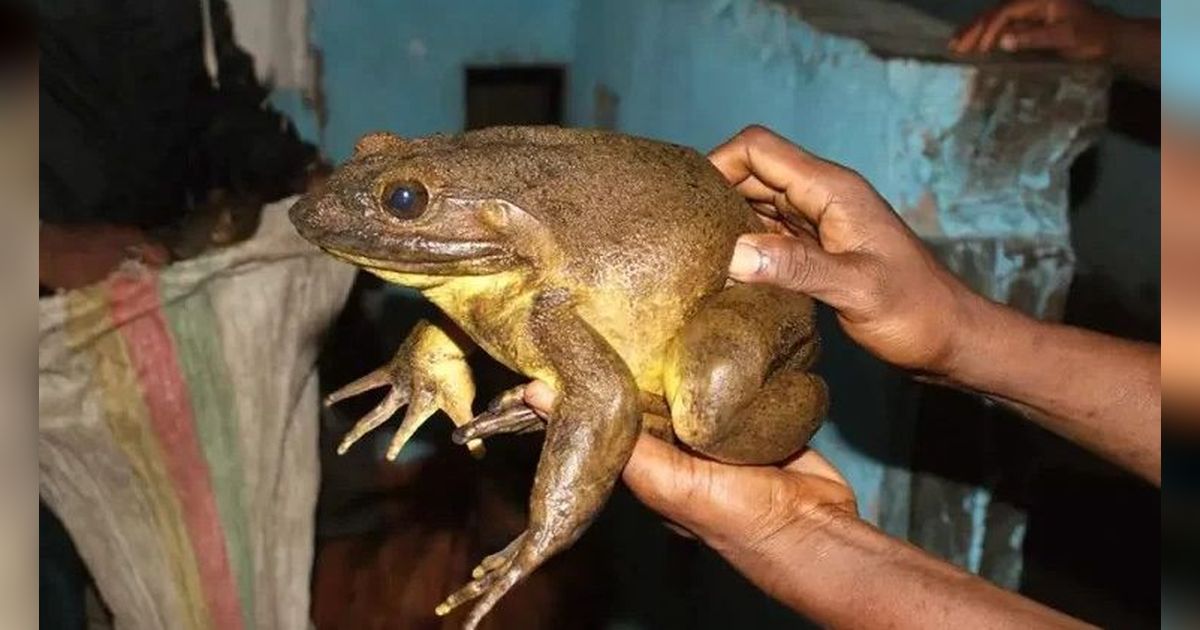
402 198
406 200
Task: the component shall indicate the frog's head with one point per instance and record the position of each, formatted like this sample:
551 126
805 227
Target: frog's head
415 211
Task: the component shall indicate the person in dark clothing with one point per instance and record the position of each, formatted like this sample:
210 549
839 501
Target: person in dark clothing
147 108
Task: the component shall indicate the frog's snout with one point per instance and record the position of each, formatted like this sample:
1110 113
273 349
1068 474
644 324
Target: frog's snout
314 217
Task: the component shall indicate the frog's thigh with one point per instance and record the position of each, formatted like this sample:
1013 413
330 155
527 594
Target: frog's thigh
736 379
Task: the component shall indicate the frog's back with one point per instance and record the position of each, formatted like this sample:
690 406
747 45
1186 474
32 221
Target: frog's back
653 218
647 228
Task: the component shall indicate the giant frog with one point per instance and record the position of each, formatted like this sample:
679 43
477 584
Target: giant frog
595 262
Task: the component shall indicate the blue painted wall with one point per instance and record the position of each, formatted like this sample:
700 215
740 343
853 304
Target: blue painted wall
694 72
398 65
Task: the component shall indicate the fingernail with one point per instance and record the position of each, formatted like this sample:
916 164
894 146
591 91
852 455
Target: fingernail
1008 43
747 261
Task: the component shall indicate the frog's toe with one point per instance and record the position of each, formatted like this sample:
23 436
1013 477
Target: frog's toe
507 399
506 413
487 589
498 559
376 379
515 420
377 416
421 406
473 590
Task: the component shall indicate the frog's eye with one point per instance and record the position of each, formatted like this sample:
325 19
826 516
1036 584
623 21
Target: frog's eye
406 200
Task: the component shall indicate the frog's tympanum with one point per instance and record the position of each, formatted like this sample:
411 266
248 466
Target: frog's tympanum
595 262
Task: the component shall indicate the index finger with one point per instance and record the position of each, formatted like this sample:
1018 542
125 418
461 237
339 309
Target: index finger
759 155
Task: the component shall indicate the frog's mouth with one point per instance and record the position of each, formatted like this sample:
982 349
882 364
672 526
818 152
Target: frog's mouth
426 257
443 250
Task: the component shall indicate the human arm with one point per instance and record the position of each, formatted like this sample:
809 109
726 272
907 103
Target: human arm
794 532
843 244
1072 28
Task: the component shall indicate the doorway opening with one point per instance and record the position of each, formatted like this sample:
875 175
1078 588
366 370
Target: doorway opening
514 95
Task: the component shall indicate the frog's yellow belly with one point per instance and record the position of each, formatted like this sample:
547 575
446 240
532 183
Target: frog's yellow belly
640 335
495 311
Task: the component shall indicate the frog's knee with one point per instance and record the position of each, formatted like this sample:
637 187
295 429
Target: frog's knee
702 404
764 425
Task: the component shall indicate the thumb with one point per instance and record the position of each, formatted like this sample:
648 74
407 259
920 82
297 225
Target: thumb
792 262
540 397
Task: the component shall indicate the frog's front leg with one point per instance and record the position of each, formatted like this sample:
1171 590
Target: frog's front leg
736 376
590 435
428 372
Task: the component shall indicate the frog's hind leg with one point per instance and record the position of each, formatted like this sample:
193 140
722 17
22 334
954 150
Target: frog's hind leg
590 435
736 380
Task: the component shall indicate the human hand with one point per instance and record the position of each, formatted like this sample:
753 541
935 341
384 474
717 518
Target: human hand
733 509
844 245
75 256
1074 29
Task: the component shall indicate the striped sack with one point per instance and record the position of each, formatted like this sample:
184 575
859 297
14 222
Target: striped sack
178 430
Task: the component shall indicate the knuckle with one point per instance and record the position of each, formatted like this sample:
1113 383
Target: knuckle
867 292
756 132
847 182
793 266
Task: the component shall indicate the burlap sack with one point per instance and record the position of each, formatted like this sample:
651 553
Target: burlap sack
178 430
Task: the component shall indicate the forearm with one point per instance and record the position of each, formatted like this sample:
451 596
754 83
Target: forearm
1137 50
844 573
1100 392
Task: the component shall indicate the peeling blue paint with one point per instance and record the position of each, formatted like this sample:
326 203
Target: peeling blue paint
1016 538
976 504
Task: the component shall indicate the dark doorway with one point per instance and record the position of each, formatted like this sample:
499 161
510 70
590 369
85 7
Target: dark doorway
514 95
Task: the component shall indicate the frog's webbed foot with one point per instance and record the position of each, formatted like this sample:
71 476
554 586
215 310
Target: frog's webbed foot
506 413
428 372
494 576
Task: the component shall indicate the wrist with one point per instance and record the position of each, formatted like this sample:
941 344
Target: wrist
962 320
994 346
972 337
